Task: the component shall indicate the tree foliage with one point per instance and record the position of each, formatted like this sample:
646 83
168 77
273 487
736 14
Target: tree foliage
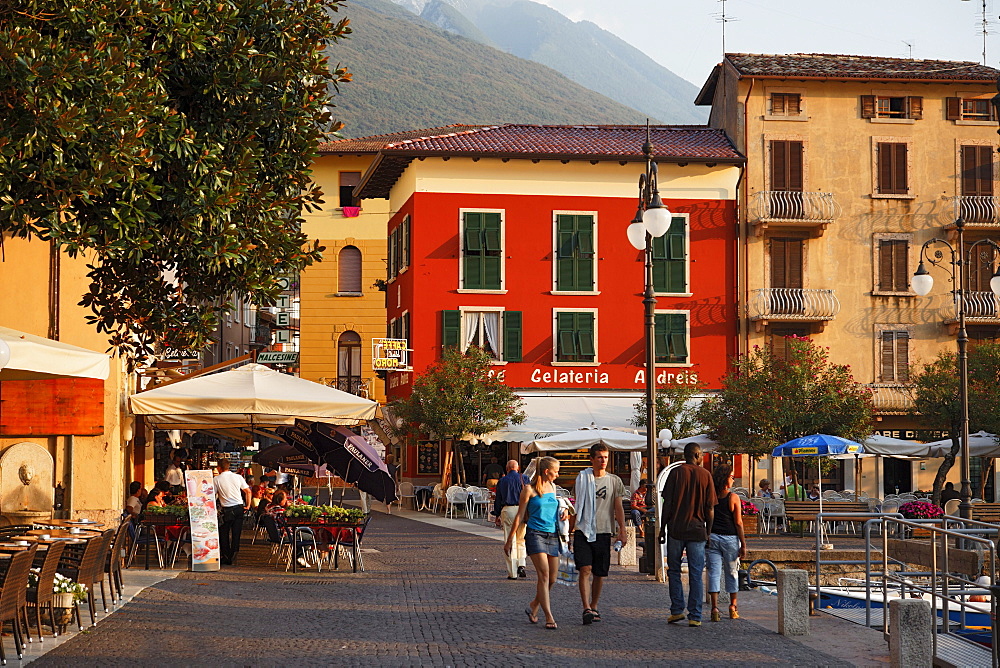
456 396
937 403
170 144
674 410
766 400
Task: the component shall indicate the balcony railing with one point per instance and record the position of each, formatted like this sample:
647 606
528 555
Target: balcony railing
358 386
980 306
892 398
793 304
977 211
793 208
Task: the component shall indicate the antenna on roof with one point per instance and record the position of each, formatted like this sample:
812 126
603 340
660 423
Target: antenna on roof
909 45
984 21
723 18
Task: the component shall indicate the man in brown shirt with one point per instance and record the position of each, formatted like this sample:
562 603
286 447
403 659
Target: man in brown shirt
688 509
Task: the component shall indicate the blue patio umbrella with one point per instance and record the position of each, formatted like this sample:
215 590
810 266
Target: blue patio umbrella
818 445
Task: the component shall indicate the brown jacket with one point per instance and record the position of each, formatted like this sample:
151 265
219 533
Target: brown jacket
689 503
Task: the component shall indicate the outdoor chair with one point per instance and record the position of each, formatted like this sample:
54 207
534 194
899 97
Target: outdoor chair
145 535
742 491
456 497
479 501
437 496
16 530
113 564
562 492
406 492
776 512
343 543
41 595
761 505
13 599
951 507
88 570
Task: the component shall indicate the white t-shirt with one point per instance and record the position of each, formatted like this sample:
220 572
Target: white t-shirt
228 486
607 488
134 504
174 475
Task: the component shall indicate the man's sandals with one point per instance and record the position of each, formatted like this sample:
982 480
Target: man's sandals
591 615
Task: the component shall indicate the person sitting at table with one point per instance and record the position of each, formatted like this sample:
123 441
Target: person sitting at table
155 498
166 487
133 504
765 489
639 507
814 493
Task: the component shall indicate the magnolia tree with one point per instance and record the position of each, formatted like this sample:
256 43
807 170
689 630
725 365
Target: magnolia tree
168 143
767 400
937 404
675 410
457 396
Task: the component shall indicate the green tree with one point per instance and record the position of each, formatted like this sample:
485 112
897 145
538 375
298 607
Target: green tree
170 144
767 400
457 396
674 410
937 405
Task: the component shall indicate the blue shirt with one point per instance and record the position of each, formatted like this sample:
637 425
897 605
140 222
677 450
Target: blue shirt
508 491
543 512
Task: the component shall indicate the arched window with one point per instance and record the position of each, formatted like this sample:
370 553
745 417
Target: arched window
349 363
349 270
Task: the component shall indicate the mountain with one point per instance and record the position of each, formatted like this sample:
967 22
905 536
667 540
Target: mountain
409 73
582 51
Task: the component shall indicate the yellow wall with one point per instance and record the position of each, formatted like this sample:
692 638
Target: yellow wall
99 463
324 314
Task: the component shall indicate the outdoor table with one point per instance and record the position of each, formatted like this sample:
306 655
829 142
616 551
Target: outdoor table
73 523
334 528
152 521
426 497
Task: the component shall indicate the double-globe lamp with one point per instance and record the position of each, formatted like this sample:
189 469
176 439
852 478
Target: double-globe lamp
922 281
655 221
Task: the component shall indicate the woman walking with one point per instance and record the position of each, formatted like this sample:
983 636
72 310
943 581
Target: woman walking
727 544
538 510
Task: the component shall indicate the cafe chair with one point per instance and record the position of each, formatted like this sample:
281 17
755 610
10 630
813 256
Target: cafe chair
437 496
456 497
6 533
41 595
113 565
88 570
951 507
143 534
13 600
406 492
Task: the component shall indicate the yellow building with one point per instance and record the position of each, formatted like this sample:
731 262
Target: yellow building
853 162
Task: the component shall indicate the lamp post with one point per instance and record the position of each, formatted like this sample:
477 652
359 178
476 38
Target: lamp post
956 262
652 219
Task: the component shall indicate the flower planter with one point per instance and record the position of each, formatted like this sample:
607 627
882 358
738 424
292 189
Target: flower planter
62 613
750 524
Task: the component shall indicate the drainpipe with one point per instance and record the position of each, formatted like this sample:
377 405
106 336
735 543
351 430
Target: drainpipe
742 212
68 486
54 271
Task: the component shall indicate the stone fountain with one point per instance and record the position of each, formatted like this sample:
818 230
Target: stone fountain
25 484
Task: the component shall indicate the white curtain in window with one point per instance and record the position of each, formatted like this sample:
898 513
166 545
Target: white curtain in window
470 320
491 323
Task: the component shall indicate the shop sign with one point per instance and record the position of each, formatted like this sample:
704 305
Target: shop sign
389 354
277 357
204 520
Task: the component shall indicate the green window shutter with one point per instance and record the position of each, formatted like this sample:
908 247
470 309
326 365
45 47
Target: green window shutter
451 328
406 242
574 252
585 337
490 278
670 258
660 247
660 337
491 231
675 236
512 336
566 341
390 269
678 349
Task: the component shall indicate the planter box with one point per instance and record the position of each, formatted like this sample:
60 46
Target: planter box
750 524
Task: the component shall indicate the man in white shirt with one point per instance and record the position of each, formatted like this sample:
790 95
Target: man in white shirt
175 474
233 496
133 504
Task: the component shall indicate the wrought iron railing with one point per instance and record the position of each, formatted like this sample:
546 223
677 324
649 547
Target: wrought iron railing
891 398
978 211
981 305
353 385
793 206
793 304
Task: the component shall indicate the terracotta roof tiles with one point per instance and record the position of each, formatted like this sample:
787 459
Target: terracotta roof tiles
375 143
836 66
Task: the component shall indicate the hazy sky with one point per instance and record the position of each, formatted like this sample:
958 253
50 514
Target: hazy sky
685 36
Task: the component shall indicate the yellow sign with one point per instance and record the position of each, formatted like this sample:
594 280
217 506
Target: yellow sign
805 451
390 354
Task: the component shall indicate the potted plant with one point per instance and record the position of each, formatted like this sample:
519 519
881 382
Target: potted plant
750 516
65 595
920 510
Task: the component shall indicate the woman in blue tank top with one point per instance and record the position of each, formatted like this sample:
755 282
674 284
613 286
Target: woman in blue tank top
538 510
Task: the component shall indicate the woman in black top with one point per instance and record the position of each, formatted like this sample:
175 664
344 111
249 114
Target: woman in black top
727 544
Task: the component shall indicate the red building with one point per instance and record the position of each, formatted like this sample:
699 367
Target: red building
513 238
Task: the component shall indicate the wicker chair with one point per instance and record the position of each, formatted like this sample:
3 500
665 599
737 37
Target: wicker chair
11 596
88 570
113 566
42 594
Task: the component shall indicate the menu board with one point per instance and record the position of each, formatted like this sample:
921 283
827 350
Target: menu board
204 519
428 457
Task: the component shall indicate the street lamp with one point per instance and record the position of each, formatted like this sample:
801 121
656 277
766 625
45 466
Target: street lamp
652 219
956 262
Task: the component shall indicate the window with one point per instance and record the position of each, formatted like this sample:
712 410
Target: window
893 265
575 340
892 169
574 252
786 104
786 255
786 179
399 249
482 250
976 204
495 331
349 270
969 109
348 181
671 337
670 262
780 340
237 308
892 106
894 356
349 362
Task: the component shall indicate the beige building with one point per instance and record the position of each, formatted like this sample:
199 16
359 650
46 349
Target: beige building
853 162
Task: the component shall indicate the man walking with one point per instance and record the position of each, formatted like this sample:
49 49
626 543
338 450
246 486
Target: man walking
233 497
598 509
508 496
688 510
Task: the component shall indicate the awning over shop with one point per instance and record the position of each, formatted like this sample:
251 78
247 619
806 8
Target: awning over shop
250 396
34 357
584 438
556 414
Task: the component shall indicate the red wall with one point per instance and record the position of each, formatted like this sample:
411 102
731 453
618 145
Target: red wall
431 282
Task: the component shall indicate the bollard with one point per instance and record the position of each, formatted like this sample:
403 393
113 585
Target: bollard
793 602
627 555
911 644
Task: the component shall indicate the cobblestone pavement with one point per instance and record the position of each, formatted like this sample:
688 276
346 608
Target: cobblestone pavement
430 596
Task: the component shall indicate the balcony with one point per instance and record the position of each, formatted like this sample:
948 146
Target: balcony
981 308
792 305
792 209
891 398
352 385
980 212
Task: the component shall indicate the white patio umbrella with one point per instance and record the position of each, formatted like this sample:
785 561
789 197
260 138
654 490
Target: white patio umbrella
707 444
981 444
584 438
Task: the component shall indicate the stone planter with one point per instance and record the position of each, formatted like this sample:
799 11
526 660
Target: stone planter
62 605
750 525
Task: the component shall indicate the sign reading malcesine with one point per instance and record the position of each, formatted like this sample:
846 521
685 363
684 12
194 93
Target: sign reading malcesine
390 354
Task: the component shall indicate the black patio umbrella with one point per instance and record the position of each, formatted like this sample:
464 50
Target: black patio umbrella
345 452
290 460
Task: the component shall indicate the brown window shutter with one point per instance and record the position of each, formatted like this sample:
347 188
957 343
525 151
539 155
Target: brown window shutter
900 262
867 106
970 182
793 104
779 165
778 263
902 357
777 104
915 107
885 266
786 263
883 158
985 171
794 166
953 108
892 171
888 361
349 270
901 177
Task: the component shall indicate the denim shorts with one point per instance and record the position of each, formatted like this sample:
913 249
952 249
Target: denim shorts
541 542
